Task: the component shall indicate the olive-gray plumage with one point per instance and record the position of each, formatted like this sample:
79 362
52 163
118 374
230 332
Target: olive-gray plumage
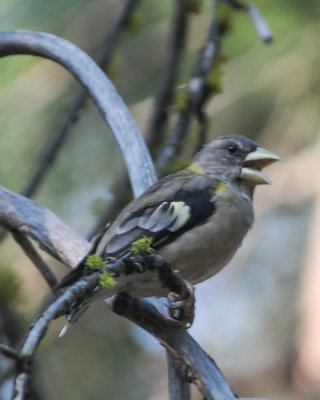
197 217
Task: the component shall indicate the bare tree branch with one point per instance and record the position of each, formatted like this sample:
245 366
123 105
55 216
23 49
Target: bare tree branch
38 329
179 386
258 20
199 90
76 294
259 23
25 216
159 114
202 67
193 362
57 138
56 238
100 89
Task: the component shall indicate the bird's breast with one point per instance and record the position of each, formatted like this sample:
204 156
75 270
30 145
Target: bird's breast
202 251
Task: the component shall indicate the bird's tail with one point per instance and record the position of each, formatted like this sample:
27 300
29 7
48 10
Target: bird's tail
73 316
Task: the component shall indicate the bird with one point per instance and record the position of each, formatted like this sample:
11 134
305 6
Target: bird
197 218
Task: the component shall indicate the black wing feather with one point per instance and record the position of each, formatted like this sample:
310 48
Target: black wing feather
160 221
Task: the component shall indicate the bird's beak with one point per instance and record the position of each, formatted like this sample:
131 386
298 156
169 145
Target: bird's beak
254 163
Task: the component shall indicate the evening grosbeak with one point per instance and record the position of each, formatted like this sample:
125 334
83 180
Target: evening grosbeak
197 218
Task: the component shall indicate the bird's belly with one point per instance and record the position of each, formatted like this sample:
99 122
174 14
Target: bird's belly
203 251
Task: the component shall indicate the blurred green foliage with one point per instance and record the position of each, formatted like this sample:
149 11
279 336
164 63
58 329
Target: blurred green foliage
10 286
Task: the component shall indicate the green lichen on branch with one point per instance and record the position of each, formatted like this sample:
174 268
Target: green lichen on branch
107 280
95 262
142 245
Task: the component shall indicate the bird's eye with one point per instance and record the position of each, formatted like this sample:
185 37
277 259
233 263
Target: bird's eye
232 148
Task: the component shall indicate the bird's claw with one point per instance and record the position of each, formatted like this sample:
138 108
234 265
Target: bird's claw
181 306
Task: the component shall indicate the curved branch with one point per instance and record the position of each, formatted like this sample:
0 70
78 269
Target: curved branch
38 329
197 366
17 212
101 90
42 225
57 138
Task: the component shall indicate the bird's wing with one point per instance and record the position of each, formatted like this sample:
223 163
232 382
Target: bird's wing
169 208
173 205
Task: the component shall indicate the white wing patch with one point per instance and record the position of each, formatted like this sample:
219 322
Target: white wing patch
154 221
182 213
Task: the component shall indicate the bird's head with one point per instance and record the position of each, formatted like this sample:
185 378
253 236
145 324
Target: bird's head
236 158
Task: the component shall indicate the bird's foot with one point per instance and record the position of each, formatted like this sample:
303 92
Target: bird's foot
181 293
181 306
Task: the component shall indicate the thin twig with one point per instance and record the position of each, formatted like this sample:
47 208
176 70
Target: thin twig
54 144
9 352
176 47
100 89
34 256
258 20
198 92
260 23
111 38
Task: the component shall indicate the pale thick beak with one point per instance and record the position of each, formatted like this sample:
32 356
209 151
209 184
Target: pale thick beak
254 163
